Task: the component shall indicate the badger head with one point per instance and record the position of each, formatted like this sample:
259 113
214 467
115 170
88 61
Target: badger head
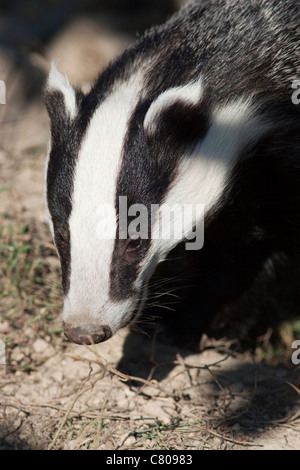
121 145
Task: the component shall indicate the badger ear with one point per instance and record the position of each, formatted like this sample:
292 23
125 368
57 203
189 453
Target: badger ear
60 98
180 114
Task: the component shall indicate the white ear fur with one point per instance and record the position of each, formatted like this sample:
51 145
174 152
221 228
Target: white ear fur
188 94
59 82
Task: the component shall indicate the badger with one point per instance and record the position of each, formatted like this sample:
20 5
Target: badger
201 110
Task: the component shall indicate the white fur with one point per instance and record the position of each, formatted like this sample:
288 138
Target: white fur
58 81
201 179
190 93
203 173
95 184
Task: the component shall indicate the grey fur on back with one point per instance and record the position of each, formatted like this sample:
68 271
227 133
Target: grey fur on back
239 46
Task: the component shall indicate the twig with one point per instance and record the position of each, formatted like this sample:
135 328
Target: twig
235 441
205 366
80 392
242 412
293 386
126 378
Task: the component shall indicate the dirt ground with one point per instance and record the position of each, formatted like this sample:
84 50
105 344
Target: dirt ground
130 392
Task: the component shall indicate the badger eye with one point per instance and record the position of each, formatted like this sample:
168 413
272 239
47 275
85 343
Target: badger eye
133 244
132 249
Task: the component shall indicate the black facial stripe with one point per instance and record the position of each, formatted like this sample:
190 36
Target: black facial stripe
148 168
188 123
66 138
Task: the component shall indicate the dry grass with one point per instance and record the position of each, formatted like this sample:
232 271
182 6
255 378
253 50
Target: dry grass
238 391
171 401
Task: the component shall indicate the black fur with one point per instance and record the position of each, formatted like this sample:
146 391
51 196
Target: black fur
240 49
234 46
66 137
152 167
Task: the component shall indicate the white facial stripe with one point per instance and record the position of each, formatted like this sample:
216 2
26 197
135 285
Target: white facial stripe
95 183
190 93
203 175
114 315
58 81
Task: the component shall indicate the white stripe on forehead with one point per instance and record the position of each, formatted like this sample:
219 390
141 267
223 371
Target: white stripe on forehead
95 181
191 93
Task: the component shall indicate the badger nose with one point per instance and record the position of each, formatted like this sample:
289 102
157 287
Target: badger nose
87 334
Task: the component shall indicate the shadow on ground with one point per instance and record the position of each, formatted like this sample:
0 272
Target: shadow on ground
238 392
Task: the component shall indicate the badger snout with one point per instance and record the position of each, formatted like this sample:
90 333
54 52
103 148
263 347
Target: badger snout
89 334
